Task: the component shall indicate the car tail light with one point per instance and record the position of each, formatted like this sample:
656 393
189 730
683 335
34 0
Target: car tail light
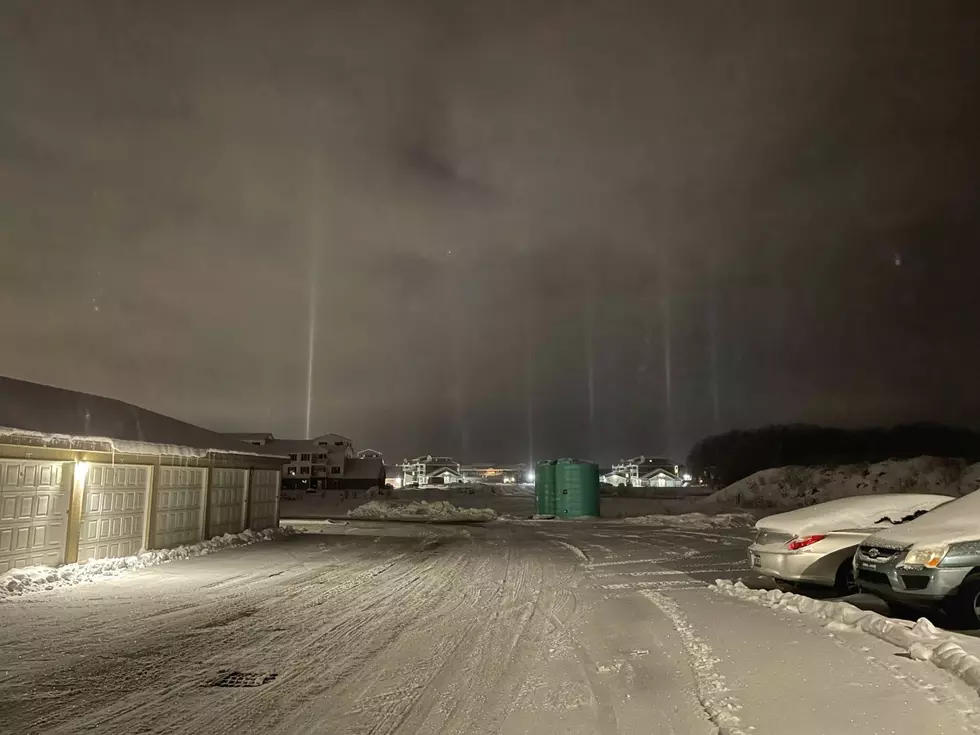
800 541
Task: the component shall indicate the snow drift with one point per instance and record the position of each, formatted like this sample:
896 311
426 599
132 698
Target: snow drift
795 487
34 579
921 640
695 520
436 511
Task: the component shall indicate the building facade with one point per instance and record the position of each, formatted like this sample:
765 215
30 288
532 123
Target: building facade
645 471
429 470
87 477
327 462
491 473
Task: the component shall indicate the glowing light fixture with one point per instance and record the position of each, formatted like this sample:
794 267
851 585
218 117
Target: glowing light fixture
81 472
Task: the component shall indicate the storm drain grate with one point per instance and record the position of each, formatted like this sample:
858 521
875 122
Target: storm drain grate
240 679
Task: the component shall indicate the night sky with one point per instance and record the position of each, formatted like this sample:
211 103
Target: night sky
521 221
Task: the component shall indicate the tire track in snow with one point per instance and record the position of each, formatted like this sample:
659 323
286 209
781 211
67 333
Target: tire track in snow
713 693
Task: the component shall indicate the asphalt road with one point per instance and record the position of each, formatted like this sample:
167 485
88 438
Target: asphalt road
528 627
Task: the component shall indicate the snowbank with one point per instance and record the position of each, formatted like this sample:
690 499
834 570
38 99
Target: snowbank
438 510
33 579
696 520
795 487
921 640
479 488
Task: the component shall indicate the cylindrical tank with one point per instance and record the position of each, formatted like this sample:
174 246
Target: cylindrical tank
577 482
544 488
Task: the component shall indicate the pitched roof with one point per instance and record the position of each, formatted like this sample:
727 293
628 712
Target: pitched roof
60 414
294 446
247 436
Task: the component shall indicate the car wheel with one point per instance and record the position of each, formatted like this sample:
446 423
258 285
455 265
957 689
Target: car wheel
963 610
844 584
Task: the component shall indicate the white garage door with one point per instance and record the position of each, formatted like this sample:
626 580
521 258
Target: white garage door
178 517
263 499
33 512
113 511
227 502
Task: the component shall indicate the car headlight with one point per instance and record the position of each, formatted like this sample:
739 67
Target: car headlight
926 556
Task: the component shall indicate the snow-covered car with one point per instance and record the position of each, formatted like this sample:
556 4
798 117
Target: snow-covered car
815 545
932 562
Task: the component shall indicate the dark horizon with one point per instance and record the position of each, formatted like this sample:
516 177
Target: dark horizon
547 228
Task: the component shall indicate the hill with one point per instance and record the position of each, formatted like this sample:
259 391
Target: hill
794 487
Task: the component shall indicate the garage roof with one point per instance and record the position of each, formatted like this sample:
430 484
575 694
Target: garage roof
59 414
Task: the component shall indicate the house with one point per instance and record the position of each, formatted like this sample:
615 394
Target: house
644 471
313 464
494 473
364 473
327 462
86 477
429 470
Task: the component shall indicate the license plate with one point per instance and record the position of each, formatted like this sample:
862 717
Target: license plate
868 567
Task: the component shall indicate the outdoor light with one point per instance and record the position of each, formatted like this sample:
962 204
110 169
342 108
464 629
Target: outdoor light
530 477
81 471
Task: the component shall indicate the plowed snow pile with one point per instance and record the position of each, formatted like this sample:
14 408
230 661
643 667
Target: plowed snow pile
921 640
696 520
795 487
34 579
437 510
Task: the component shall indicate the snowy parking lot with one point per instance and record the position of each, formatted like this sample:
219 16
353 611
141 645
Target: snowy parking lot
543 627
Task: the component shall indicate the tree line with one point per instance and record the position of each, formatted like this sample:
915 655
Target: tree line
722 459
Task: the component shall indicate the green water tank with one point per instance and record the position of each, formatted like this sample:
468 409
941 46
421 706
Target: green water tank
544 488
577 483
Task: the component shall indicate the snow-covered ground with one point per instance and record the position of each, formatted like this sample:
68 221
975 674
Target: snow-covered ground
544 627
33 579
785 488
514 501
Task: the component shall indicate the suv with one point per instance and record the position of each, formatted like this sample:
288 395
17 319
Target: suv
930 562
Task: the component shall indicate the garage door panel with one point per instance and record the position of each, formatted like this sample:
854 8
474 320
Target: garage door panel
263 499
227 502
113 512
178 514
33 513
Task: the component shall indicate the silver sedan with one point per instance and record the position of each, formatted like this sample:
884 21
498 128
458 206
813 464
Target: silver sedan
815 545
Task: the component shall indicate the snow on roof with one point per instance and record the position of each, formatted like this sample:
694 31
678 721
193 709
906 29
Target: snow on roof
59 416
658 471
445 470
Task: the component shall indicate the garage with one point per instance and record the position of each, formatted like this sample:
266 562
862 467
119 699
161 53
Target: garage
113 510
178 516
263 499
86 477
33 512
227 501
